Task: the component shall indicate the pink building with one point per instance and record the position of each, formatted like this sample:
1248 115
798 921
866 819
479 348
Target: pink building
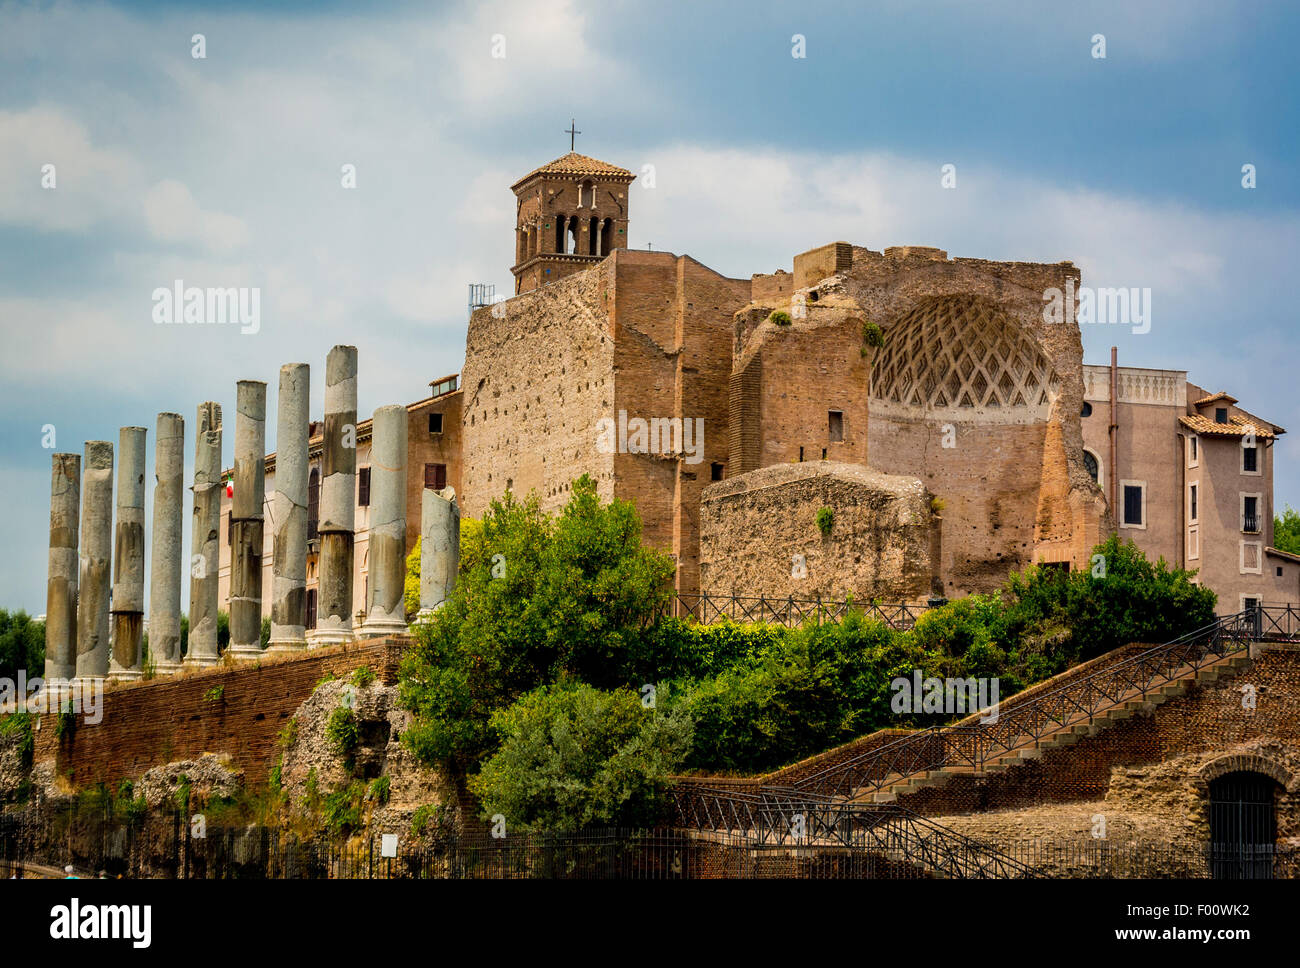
1188 475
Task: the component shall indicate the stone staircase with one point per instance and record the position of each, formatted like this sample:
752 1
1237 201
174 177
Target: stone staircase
1026 748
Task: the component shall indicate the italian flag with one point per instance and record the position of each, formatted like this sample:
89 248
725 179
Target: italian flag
230 485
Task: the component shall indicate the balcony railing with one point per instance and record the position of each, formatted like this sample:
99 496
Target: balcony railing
1250 523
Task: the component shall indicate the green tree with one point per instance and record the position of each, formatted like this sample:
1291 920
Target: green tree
22 644
536 598
572 755
1286 531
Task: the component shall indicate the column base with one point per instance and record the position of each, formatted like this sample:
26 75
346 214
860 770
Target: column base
242 652
318 638
382 627
125 675
200 661
289 645
165 668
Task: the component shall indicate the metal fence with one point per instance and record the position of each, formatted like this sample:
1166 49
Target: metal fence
707 608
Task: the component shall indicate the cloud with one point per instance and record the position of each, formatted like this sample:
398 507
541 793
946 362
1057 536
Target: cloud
173 215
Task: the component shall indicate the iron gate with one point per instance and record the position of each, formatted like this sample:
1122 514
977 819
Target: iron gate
1243 826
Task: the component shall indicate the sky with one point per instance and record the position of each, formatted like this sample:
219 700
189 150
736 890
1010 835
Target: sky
227 170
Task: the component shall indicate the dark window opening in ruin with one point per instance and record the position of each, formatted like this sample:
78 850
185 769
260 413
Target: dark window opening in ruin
1090 465
835 418
435 476
607 237
313 503
363 487
800 455
1087 409
1243 825
1221 415
823 453
1133 504
715 472
435 423
1250 459
559 233
311 608
591 235
812 297
1250 515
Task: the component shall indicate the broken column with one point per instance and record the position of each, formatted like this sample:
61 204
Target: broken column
289 512
338 498
386 608
205 537
439 547
61 586
127 606
93 581
246 520
165 549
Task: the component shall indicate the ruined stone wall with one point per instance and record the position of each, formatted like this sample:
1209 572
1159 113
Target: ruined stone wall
158 721
538 375
879 545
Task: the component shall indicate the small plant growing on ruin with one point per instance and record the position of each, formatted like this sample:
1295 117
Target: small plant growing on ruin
937 504
289 735
780 318
825 521
341 732
873 335
20 725
379 791
215 694
363 676
183 793
342 808
420 820
66 723
328 677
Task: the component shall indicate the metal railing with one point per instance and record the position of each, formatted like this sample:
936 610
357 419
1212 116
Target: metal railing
706 608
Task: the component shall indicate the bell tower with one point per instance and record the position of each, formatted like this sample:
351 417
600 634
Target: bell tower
570 214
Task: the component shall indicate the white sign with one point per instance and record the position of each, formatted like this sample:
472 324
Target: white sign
389 846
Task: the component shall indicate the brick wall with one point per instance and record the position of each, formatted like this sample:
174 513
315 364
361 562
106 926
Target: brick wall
147 724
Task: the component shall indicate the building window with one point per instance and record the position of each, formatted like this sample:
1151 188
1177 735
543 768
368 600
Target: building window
435 476
1221 415
1279 571
1249 603
1192 508
1091 465
1250 513
1086 412
1135 504
835 418
313 503
1193 451
435 423
1250 558
1193 542
363 487
715 472
1250 460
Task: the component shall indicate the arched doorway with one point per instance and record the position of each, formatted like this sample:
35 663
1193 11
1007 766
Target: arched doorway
1243 826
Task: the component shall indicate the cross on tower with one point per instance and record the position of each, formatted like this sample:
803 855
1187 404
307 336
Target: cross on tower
571 131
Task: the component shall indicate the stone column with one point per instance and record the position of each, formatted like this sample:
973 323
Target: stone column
246 521
386 609
289 512
439 547
61 586
205 537
338 498
165 549
93 583
127 607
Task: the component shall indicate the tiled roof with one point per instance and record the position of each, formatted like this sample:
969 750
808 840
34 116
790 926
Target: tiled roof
576 164
1279 553
1221 395
1235 427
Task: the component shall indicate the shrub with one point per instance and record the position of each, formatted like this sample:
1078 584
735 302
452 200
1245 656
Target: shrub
363 676
379 791
342 733
20 724
872 335
825 521
573 755
215 694
780 318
